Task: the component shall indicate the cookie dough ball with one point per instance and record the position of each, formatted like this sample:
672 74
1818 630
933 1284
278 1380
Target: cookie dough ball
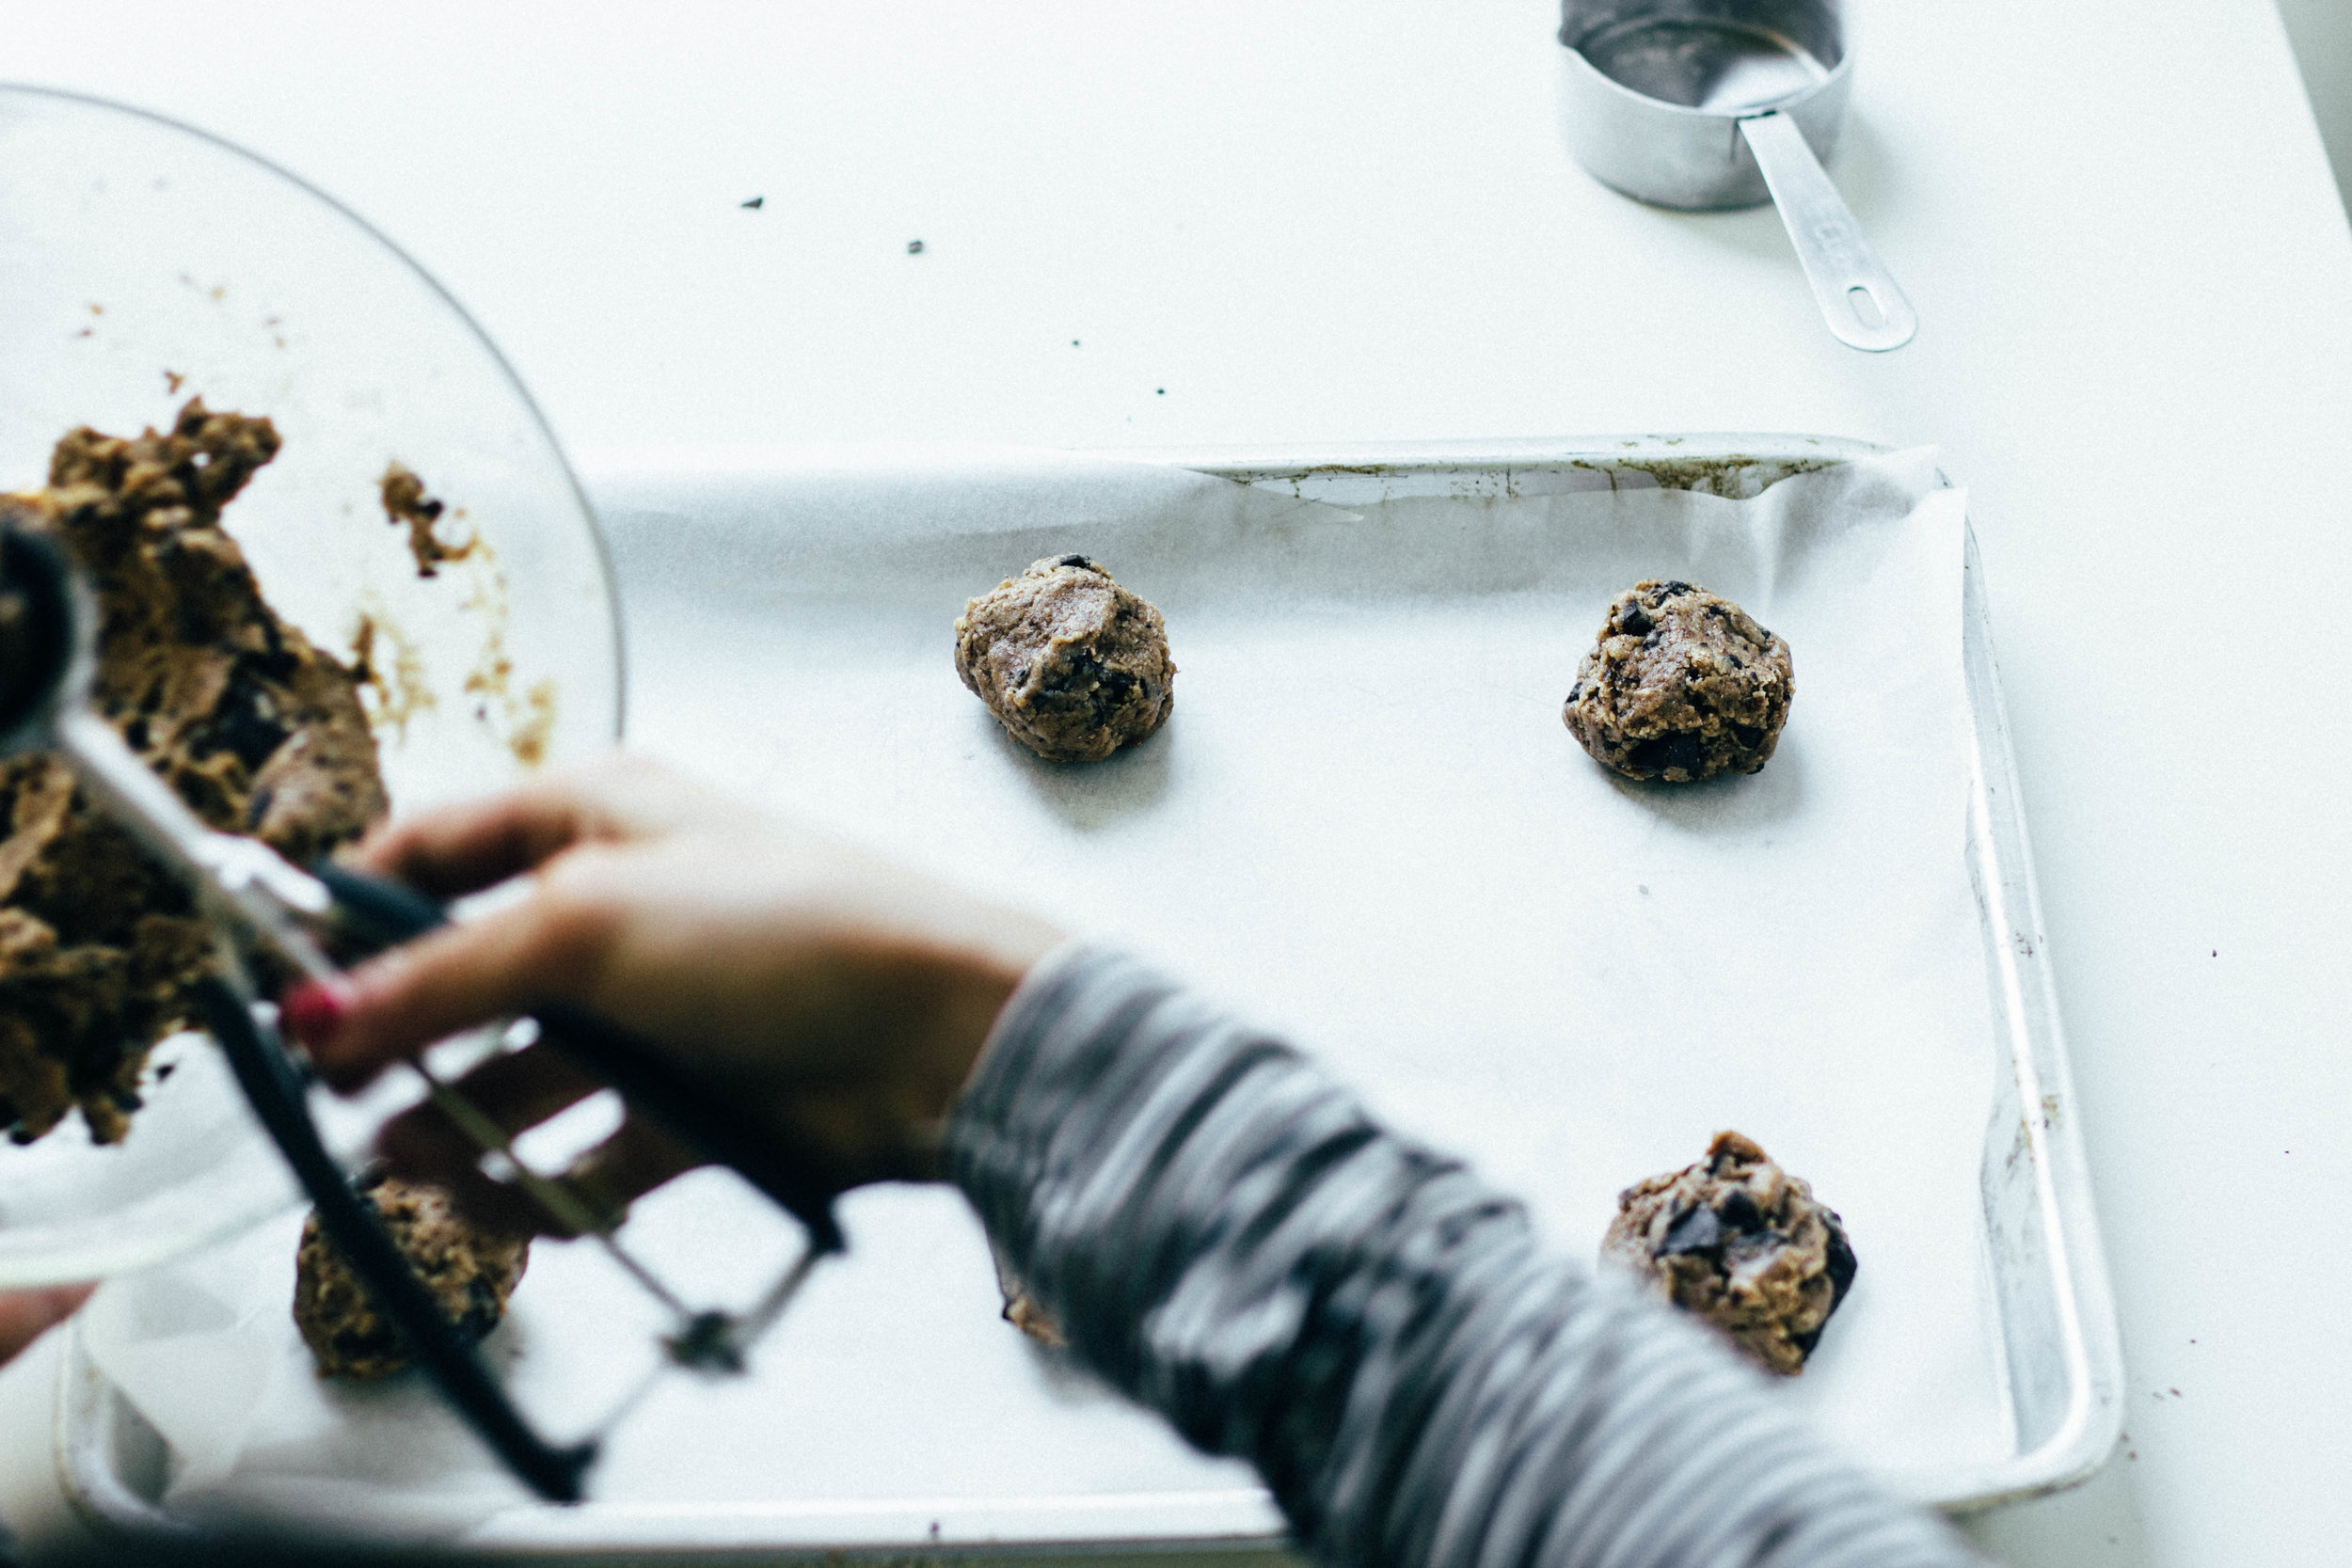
1071 664
1682 686
1738 1242
469 1271
1024 1313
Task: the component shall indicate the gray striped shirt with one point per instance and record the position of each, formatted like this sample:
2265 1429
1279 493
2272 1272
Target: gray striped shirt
1226 1236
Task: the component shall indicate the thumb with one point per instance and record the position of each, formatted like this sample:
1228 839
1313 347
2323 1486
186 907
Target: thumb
26 1315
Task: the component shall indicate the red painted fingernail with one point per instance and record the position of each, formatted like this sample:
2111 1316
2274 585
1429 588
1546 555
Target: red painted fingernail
314 1011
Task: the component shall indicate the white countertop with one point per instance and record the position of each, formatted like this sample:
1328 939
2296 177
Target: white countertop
1298 221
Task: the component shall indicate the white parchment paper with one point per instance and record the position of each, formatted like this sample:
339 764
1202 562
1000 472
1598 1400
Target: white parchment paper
1366 824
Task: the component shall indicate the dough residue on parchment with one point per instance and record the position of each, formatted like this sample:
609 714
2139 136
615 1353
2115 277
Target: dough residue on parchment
259 731
1022 1309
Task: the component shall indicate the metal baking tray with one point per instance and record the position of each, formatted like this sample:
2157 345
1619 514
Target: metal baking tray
2055 1351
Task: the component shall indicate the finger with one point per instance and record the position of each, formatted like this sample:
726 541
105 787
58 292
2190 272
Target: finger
629 1164
500 966
604 1181
26 1315
488 1205
462 849
511 1092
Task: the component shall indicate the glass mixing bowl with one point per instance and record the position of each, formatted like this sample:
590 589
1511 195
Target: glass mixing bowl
143 263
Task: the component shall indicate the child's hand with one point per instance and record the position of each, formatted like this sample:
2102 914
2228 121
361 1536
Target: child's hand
840 1000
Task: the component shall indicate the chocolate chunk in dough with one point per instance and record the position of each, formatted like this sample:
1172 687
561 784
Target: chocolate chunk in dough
1071 664
470 1273
1738 1242
257 730
1682 686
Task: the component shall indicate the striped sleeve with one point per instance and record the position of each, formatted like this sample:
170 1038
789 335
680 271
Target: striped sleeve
1228 1237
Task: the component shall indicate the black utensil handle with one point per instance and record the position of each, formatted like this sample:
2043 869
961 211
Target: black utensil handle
376 911
37 634
385 914
712 1127
276 1091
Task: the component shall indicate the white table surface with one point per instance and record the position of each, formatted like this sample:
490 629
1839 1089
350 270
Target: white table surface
1301 221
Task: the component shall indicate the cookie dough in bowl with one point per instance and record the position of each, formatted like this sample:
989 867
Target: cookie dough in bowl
1741 1244
1682 686
257 728
150 265
1071 664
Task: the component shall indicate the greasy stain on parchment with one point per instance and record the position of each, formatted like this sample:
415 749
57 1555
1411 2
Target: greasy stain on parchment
1735 477
391 667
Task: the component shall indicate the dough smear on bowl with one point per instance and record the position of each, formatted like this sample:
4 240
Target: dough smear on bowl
1739 1243
1682 686
468 1271
1071 664
258 730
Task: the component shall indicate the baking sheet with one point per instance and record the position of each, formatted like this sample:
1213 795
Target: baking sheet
1364 823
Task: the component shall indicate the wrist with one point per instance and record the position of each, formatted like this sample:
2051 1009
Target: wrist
999 956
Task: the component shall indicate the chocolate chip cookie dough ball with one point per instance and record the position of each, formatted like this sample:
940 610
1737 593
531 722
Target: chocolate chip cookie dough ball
1738 1242
1071 664
1022 1309
468 1271
1682 686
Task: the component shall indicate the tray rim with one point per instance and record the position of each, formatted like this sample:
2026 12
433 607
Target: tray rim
2078 1448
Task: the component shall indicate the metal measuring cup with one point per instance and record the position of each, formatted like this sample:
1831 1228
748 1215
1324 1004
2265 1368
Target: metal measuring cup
1707 105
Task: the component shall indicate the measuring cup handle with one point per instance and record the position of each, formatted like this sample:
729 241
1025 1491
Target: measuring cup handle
1859 298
